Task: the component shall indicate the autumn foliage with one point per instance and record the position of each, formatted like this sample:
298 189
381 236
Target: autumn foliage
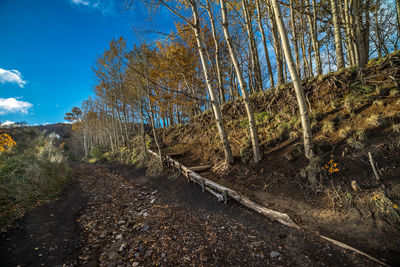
6 141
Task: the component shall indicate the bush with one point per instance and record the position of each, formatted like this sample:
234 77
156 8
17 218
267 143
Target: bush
96 154
34 171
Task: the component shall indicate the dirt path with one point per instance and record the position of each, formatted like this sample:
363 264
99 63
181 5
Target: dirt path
131 220
47 235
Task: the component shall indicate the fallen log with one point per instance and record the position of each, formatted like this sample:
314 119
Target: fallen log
200 168
175 154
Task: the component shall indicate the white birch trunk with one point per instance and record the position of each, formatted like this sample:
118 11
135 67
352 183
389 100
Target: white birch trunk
243 88
305 122
338 39
211 91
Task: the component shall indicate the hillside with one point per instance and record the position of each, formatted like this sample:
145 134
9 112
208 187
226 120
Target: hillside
62 129
353 112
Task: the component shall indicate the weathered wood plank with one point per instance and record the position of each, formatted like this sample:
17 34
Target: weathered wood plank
175 154
200 168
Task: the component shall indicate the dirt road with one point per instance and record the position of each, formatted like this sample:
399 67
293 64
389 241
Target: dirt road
115 216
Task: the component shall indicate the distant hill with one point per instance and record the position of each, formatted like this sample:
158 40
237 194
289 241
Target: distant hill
62 129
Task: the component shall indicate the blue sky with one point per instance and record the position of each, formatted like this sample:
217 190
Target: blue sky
48 48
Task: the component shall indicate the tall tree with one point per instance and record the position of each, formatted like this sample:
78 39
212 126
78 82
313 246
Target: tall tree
305 122
264 41
338 38
242 84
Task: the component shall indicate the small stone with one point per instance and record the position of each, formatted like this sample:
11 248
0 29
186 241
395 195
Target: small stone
163 254
145 228
274 254
148 253
145 214
118 237
121 248
152 201
135 264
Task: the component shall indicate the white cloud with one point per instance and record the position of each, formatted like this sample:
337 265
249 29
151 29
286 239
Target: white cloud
11 76
105 6
13 105
7 123
80 2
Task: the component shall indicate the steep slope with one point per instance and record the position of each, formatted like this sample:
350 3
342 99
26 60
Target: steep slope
353 112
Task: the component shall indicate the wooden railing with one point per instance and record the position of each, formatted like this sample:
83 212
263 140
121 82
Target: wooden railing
223 193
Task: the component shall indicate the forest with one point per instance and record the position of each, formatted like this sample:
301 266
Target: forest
222 52
290 108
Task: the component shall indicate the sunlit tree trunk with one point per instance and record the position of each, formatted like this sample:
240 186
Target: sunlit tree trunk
349 42
295 38
253 47
338 39
277 47
216 52
211 91
243 87
305 122
264 40
312 20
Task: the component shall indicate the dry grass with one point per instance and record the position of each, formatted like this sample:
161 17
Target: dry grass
373 120
345 131
328 127
396 127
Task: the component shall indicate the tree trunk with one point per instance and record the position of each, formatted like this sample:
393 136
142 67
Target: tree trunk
142 134
338 39
264 40
295 39
296 82
366 29
378 34
314 38
398 15
359 33
277 47
249 110
211 91
349 42
253 48
216 53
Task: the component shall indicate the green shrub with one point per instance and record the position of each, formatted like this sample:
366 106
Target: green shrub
96 154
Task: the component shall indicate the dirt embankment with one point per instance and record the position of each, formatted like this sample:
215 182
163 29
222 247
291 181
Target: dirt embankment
352 112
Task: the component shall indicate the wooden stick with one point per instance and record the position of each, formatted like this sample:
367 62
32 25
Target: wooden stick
174 154
371 160
200 168
343 245
218 196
